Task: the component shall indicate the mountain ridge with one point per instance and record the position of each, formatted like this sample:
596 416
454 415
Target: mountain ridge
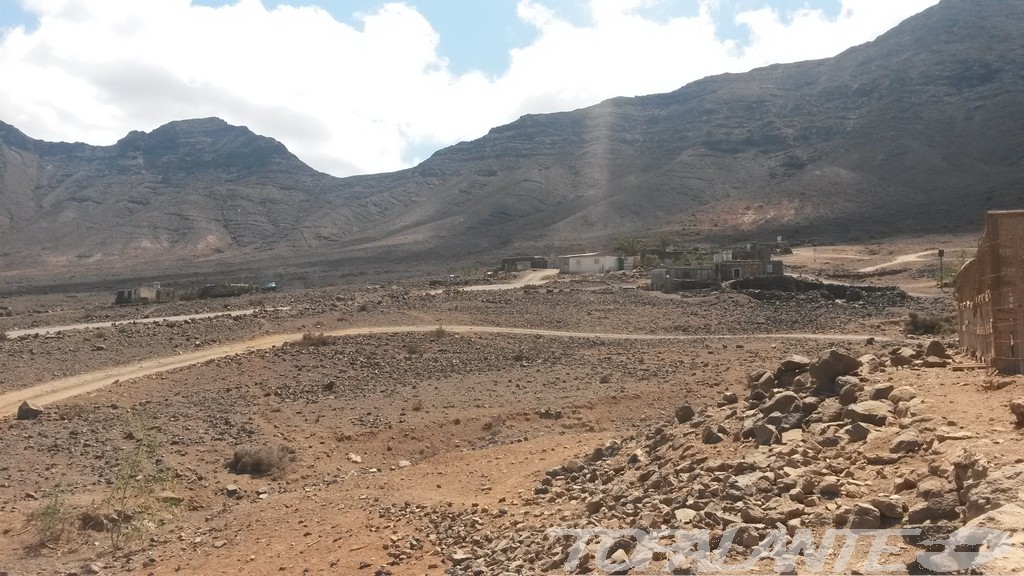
880 140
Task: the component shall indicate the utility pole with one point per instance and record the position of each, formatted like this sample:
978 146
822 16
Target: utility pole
942 277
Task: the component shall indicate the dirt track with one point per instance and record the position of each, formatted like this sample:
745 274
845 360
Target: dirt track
63 388
55 329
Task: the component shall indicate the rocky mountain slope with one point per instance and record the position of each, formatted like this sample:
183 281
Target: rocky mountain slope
916 132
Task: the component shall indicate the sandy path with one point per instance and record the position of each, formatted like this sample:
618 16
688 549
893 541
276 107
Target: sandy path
63 388
54 329
917 256
531 277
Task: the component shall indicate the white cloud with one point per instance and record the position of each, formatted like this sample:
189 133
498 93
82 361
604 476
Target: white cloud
356 99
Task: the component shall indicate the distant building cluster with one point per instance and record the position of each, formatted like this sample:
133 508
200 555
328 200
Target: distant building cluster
750 262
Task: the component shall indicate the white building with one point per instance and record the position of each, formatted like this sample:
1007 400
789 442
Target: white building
594 263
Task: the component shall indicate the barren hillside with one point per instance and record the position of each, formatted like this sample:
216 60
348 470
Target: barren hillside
884 139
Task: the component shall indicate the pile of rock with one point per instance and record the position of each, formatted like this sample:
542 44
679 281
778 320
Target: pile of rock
816 443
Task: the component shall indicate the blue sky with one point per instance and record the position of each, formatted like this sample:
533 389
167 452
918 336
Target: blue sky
359 86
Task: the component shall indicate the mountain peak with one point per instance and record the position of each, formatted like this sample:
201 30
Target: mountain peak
208 145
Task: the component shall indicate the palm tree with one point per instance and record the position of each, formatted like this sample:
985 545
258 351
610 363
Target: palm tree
630 246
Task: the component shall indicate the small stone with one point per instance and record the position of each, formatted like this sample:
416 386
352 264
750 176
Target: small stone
794 436
848 395
685 413
404 463
874 412
865 517
354 458
857 432
685 515
231 490
902 394
710 436
881 391
906 443
890 506
168 497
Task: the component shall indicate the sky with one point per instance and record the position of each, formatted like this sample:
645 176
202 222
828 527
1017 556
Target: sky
368 86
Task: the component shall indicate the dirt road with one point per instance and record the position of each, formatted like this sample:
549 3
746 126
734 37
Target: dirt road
916 257
531 277
55 329
63 388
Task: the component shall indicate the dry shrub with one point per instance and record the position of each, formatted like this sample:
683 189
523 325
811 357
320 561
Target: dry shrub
259 461
417 405
50 521
413 349
493 424
3 335
917 324
315 339
438 333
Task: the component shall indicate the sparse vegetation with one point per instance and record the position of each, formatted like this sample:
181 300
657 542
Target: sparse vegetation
920 325
363 307
3 335
417 405
136 479
50 521
258 302
630 246
315 339
438 333
262 460
413 349
493 425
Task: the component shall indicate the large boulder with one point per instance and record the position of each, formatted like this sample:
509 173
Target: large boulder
992 543
783 403
865 517
28 411
794 362
907 442
874 412
937 349
766 435
1017 409
902 394
1000 487
830 365
881 391
830 410
937 508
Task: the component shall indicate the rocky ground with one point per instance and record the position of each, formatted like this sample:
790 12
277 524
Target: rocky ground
437 451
